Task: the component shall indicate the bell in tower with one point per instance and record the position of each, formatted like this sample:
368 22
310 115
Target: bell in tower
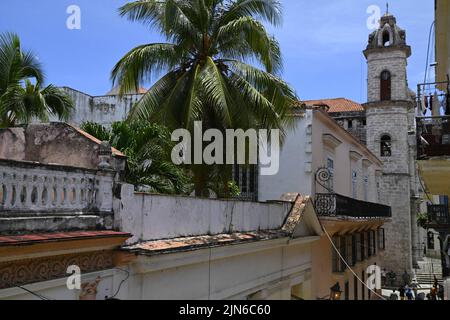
387 53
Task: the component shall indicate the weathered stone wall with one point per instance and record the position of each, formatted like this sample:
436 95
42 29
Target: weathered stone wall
393 61
395 193
395 182
392 121
55 143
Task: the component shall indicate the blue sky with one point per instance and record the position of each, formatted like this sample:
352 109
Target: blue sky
321 40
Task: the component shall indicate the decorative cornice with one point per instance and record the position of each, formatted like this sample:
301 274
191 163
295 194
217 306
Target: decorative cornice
331 141
366 163
22 272
355 155
404 48
389 103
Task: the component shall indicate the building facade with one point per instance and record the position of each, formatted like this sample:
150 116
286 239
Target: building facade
57 218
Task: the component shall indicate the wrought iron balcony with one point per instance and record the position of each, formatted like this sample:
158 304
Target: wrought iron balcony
332 205
438 214
433 137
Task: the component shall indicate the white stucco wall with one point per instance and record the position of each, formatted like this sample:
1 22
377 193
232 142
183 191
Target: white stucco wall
295 173
153 217
268 269
304 152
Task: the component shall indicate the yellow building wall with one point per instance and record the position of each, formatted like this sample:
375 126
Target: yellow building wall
323 278
442 39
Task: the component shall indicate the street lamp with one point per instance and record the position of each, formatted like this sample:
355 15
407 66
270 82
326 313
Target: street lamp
335 292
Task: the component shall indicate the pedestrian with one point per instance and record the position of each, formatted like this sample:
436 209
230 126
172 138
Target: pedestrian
409 293
383 277
440 292
402 293
435 281
421 296
393 296
433 293
415 285
406 278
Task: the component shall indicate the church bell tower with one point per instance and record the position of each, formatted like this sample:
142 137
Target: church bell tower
390 119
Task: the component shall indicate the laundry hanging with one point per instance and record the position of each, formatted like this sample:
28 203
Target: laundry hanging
447 104
425 105
431 104
436 112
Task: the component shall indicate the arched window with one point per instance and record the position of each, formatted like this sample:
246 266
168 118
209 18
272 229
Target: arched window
386 38
386 146
385 86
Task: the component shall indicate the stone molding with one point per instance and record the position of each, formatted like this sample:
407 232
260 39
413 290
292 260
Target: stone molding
27 271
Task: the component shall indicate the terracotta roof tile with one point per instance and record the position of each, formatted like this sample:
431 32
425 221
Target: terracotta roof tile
337 105
94 139
199 242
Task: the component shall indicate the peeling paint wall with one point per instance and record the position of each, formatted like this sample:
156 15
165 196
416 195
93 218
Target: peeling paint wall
154 217
55 143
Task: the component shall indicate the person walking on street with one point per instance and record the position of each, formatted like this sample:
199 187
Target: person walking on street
402 293
393 296
440 292
406 278
409 293
415 285
433 293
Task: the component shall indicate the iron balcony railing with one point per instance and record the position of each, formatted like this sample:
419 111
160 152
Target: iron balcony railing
332 205
438 214
433 136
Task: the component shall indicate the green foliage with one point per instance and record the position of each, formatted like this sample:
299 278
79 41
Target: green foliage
22 96
233 188
205 71
97 130
422 220
148 148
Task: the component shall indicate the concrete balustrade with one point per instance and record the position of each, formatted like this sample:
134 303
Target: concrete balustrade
31 187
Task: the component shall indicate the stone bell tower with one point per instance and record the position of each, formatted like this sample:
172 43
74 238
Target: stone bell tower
390 123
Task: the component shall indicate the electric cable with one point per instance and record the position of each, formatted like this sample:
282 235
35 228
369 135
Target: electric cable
349 268
40 296
120 285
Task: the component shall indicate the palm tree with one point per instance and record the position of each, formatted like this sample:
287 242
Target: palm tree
22 96
205 68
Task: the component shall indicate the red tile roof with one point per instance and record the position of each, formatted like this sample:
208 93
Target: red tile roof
337 105
198 242
61 236
97 141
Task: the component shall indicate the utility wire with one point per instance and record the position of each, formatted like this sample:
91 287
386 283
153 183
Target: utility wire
120 285
348 266
42 297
